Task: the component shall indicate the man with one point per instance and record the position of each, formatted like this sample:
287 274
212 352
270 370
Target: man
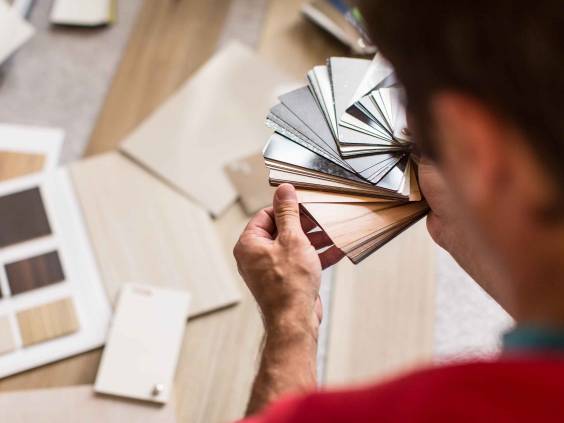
485 94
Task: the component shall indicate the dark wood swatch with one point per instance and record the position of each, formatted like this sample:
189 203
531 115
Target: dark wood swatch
22 217
35 272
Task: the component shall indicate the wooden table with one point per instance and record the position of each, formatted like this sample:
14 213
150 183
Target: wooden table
171 39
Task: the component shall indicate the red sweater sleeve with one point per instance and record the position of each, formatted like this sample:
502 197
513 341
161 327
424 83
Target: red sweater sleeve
510 390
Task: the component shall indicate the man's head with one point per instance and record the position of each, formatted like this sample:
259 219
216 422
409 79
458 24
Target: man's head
484 81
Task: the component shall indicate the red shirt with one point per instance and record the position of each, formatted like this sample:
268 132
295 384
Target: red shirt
506 390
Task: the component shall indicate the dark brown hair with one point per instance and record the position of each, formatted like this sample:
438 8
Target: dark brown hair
508 54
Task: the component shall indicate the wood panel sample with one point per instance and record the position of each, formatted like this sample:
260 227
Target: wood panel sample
35 272
292 42
47 321
195 133
170 40
23 217
77 404
250 179
382 311
15 164
145 232
7 341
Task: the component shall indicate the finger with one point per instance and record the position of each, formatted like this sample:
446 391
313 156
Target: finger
286 209
307 222
319 239
262 224
330 257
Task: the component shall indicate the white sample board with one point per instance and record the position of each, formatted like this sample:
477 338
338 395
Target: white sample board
143 347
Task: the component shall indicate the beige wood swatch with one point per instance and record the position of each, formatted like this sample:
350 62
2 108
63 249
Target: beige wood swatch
15 164
349 224
250 179
78 404
7 341
382 311
47 321
145 232
214 118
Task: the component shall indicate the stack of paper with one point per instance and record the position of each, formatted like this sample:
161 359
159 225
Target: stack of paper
342 21
343 142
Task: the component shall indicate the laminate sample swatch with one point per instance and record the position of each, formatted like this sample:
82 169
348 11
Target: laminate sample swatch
140 357
78 404
7 341
216 117
47 321
23 217
35 272
382 312
249 176
144 231
16 164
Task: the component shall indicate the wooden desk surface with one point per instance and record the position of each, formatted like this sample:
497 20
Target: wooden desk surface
171 39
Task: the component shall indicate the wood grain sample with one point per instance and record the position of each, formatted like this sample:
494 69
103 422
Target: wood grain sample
78 404
47 321
190 138
7 341
35 272
382 312
171 39
145 232
250 179
23 217
15 164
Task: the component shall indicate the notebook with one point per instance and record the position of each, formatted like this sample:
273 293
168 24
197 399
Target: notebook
343 142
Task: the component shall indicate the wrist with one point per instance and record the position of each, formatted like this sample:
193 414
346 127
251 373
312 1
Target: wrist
294 324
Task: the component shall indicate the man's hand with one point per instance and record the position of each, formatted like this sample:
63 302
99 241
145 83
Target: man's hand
277 258
280 265
448 226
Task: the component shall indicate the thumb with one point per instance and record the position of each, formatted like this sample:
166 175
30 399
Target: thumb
286 209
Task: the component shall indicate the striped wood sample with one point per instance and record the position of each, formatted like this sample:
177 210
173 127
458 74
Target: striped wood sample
382 312
15 164
47 321
34 272
145 232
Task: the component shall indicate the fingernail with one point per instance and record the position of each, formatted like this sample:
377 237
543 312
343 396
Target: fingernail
286 192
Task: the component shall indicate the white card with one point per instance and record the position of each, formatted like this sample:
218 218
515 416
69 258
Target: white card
142 350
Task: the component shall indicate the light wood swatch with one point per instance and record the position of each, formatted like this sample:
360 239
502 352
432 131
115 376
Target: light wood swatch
250 179
215 118
382 311
145 232
78 404
47 321
7 341
170 40
13 165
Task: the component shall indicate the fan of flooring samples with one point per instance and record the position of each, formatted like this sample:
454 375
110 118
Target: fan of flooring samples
343 142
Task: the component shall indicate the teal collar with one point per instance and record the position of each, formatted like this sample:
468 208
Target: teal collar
534 339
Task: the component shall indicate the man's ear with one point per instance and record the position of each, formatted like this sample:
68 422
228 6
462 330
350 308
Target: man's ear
471 145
